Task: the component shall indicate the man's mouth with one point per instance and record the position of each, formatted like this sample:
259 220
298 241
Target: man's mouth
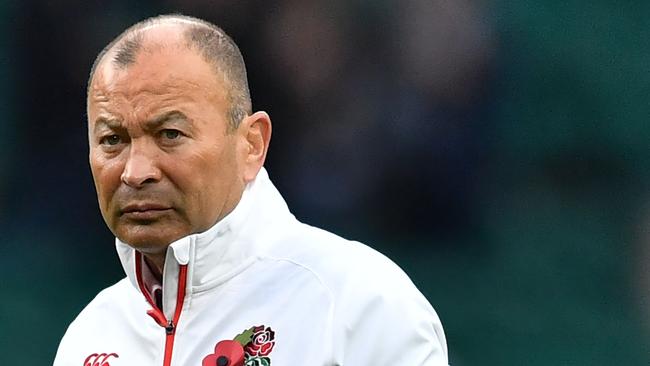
144 211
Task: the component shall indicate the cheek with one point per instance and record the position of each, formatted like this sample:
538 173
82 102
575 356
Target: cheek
106 175
207 179
200 178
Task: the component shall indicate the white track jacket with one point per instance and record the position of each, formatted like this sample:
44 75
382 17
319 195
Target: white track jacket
290 294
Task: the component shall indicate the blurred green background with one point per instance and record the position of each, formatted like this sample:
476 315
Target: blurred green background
496 150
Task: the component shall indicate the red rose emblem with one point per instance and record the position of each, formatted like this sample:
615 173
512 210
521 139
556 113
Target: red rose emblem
262 342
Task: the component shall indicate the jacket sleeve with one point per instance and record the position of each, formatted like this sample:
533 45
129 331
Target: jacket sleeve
383 320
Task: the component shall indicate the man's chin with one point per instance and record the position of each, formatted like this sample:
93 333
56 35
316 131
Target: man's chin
149 239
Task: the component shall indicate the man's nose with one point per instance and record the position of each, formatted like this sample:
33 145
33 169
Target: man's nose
141 166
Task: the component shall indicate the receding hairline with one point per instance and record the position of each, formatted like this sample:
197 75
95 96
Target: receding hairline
211 42
135 35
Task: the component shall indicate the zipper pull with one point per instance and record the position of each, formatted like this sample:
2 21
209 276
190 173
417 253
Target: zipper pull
158 316
169 329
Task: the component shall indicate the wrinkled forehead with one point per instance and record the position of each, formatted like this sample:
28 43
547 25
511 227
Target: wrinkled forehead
161 62
153 69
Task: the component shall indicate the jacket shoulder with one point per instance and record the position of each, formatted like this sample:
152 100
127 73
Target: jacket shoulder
374 300
119 295
107 304
336 261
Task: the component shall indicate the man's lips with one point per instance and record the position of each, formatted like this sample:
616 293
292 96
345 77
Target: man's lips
144 211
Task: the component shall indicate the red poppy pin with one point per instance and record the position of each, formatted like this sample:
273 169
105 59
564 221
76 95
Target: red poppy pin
250 348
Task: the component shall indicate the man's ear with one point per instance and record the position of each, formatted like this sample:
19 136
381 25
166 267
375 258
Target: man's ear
256 132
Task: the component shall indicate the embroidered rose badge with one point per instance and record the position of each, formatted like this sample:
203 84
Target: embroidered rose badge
250 348
262 342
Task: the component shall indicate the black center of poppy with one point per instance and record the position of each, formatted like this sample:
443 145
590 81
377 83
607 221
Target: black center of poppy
222 361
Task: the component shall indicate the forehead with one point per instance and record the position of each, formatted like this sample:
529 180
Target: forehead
163 65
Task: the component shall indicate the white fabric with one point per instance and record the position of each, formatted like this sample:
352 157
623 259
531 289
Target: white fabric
329 301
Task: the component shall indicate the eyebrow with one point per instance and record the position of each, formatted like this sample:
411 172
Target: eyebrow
111 123
165 118
156 122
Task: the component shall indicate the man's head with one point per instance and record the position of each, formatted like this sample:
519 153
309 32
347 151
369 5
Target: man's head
172 138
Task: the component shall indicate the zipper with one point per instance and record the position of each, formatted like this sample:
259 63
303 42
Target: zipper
157 314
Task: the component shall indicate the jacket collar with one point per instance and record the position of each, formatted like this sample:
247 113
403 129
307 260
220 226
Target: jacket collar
224 250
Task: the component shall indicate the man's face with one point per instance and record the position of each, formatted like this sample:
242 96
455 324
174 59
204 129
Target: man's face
163 161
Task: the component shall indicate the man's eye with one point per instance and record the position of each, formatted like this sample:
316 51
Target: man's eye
110 140
171 134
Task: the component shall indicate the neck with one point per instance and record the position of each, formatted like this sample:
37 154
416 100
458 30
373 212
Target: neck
156 263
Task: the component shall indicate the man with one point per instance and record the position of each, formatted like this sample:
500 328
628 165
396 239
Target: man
218 270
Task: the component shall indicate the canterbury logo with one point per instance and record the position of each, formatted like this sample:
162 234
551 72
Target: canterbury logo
99 359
